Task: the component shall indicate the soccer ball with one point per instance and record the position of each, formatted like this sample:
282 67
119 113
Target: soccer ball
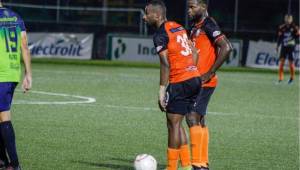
145 162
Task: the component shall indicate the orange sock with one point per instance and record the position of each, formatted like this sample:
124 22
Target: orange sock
185 156
199 142
204 146
195 135
292 69
173 155
281 64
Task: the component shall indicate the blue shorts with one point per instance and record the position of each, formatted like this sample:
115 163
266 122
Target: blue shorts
6 95
202 100
182 96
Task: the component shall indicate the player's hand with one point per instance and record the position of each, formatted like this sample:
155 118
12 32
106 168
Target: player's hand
162 105
27 83
193 48
195 51
162 99
207 77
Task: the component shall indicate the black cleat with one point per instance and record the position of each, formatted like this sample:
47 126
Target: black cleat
278 82
200 168
290 81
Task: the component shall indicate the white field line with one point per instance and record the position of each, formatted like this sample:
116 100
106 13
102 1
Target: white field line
262 116
131 107
91 73
250 79
71 72
85 100
155 109
89 100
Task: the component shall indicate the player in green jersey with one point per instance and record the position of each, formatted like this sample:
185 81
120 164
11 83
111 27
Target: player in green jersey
13 45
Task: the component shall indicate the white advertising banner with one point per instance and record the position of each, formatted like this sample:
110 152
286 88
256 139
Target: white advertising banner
134 48
235 55
126 48
61 45
262 54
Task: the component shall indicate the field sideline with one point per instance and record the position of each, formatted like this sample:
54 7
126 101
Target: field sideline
81 117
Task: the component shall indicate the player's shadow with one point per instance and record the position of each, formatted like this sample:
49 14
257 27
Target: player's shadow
114 166
105 165
131 161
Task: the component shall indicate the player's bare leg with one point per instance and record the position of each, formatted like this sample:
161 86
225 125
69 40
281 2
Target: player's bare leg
292 71
174 139
5 116
280 71
193 119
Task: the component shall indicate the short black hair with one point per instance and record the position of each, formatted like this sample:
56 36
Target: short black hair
159 4
202 1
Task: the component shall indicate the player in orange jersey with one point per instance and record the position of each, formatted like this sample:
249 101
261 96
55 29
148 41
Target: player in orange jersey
179 73
287 35
214 50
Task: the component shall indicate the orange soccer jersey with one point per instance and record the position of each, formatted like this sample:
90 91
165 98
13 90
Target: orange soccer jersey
204 35
173 37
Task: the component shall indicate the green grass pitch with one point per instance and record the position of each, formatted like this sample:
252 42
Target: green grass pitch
253 123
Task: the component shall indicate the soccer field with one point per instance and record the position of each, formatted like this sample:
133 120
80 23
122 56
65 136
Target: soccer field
91 117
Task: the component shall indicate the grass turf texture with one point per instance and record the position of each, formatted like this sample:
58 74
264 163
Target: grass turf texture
254 124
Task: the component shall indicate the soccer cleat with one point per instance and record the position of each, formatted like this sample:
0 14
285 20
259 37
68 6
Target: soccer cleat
290 81
279 82
200 168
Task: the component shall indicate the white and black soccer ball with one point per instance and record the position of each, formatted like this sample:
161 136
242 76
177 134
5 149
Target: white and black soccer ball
145 162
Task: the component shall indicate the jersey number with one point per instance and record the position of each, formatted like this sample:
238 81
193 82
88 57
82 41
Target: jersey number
11 39
183 40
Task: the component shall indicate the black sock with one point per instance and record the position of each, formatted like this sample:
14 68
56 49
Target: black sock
3 156
8 136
